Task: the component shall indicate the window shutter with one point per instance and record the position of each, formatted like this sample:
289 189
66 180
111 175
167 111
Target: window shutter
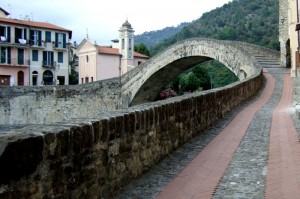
25 34
44 56
31 37
2 29
64 40
56 40
3 55
16 35
52 57
8 34
40 38
8 55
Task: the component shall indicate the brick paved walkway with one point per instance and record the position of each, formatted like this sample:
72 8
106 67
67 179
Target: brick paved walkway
283 175
255 154
201 177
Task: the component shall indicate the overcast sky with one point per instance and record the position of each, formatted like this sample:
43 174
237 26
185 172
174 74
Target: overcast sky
101 19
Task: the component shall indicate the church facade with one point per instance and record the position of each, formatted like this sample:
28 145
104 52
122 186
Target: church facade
105 62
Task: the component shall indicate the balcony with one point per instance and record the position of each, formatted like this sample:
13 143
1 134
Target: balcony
18 42
49 64
15 62
22 42
59 46
37 44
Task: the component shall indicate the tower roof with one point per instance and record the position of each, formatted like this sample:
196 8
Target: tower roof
126 24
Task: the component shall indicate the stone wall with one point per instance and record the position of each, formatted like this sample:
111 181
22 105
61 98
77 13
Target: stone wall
49 104
284 30
96 157
257 50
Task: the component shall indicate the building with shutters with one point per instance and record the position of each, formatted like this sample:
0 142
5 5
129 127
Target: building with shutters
33 53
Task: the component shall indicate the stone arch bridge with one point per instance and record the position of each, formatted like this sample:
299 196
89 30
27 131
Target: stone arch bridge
88 149
144 83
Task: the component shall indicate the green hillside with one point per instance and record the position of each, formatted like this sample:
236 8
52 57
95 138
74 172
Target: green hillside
252 21
155 37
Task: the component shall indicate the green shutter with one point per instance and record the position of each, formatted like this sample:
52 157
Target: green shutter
8 34
44 56
40 38
52 58
64 40
25 34
16 35
8 55
56 40
31 37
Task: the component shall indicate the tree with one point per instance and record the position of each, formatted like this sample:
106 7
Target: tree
141 48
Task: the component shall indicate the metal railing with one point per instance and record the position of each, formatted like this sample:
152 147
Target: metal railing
49 64
15 61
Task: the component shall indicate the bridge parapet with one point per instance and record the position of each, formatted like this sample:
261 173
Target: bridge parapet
89 157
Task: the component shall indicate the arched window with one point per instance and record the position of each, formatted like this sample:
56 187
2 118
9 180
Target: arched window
87 59
20 78
34 78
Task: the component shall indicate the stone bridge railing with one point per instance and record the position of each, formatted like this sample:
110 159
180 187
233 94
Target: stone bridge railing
49 104
95 157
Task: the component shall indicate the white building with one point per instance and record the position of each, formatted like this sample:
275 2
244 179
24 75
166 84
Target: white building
104 62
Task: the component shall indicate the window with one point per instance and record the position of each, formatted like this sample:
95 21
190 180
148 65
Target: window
60 40
48 58
82 80
87 80
4 33
20 35
123 43
36 37
92 79
5 55
60 57
48 36
21 56
129 45
35 55
87 59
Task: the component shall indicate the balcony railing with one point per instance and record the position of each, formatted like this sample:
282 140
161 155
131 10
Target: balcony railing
49 64
15 62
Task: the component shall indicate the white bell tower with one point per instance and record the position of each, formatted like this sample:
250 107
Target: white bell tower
126 45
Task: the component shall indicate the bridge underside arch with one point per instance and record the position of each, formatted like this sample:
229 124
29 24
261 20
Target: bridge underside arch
150 89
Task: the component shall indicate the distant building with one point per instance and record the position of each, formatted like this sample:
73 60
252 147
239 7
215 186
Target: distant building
3 13
289 28
33 53
104 62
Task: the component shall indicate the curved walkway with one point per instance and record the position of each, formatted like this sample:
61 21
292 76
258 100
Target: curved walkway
283 176
237 163
201 177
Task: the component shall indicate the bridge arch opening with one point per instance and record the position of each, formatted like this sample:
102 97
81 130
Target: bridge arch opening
160 81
